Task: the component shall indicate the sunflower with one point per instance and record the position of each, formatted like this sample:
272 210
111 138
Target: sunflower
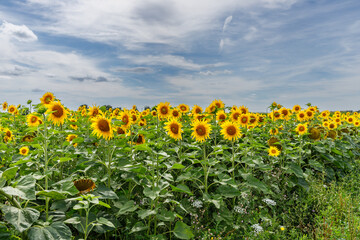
4 106
84 185
175 113
184 108
71 137
173 128
47 98
163 110
102 127
122 131
218 103
332 134
12 109
244 119
325 114
196 110
221 116
201 130
275 115
142 122
140 139
301 129
94 111
134 117
350 119
314 133
27 138
235 115
309 114
126 119
8 134
32 120
253 119
285 113
243 109
24 151
274 131
72 125
274 142
230 130
154 113
357 123
211 108
273 151
57 113
301 116
296 108
332 125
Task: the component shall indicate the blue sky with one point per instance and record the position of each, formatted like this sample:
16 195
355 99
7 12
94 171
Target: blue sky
143 52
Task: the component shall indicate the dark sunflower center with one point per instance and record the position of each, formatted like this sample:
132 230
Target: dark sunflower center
222 117
183 108
164 110
120 131
302 115
23 151
273 151
103 125
197 110
244 119
252 120
218 105
243 111
332 125
277 115
174 128
8 134
33 119
175 113
59 112
301 128
140 139
236 116
200 130
125 119
134 118
309 113
285 112
231 130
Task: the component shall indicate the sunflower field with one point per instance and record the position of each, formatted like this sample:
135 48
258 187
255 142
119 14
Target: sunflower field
171 172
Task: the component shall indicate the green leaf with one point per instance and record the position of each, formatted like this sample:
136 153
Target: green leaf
101 203
21 219
181 188
334 150
27 185
105 222
14 192
183 231
152 194
65 159
57 195
255 183
228 191
296 169
138 227
167 216
145 213
78 140
55 231
316 165
142 147
9 173
73 220
177 166
105 193
20 162
129 206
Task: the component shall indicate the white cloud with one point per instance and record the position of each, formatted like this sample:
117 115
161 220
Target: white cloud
251 35
227 22
168 60
19 32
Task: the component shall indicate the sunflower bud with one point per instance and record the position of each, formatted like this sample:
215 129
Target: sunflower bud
41 110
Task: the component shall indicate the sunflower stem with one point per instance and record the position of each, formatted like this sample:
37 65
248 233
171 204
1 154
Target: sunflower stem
205 166
46 167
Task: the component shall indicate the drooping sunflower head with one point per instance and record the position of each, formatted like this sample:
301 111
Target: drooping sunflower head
184 108
163 110
27 138
4 106
230 130
102 127
12 109
314 133
273 151
201 130
24 151
32 120
273 141
174 129
301 129
47 98
57 113
84 185
332 134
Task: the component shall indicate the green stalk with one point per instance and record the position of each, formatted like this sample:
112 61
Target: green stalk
45 147
206 170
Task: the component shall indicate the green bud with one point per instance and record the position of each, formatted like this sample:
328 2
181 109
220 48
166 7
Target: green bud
29 101
42 110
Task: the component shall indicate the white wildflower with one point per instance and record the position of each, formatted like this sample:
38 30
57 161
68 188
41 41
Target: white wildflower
257 228
239 209
269 202
197 204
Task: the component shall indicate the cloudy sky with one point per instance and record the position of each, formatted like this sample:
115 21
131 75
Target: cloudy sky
143 52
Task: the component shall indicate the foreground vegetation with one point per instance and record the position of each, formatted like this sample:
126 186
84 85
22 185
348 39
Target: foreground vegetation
175 173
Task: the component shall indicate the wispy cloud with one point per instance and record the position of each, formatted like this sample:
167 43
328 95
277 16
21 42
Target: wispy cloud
19 32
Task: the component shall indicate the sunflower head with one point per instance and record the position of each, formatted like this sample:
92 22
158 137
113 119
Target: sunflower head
140 139
24 151
173 128
296 108
184 108
94 111
84 185
332 134
196 110
102 127
47 98
230 130
12 109
163 110
273 151
314 133
32 120
201 130
244 119
274 142
221 116
126 119
175 113
4 106
57 113
301 129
